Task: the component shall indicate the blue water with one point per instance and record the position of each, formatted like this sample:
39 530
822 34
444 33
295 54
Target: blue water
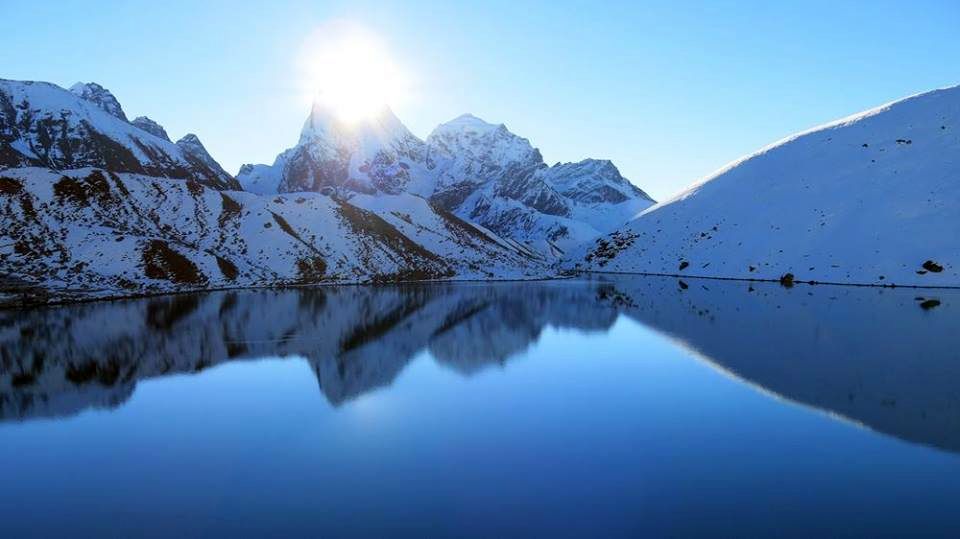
627 407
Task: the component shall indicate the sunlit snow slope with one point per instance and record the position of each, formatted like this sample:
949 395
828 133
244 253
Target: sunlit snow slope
870 199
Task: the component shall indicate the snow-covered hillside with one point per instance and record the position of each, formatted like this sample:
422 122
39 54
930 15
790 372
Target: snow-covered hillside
93 232
43 125
93 206
479 171
870 199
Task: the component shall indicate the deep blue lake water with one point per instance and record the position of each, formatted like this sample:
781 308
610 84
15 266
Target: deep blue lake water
606 407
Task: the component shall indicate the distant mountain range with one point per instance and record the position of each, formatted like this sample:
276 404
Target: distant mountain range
95 205
481 172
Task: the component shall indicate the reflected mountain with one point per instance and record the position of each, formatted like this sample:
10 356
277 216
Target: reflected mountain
59 361
888 359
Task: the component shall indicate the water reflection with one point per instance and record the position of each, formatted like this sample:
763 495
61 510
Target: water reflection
884 358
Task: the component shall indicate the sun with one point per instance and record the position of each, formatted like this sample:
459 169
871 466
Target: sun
351 72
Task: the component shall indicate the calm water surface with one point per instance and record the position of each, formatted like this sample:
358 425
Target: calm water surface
608 407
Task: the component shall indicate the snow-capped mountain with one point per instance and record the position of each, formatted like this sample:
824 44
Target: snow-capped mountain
479 171
43 125
151 127
89 232
99 95
870 199
498 179
377 155
95 206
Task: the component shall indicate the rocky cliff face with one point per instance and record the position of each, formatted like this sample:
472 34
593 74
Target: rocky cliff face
499 180
151 127
377 155
43 125
479 171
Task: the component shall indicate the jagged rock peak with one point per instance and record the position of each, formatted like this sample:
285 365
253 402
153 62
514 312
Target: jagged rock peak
99 95
469 136
323 124
151 127
469 121
191 142
191 145
470 125
593 181
198 155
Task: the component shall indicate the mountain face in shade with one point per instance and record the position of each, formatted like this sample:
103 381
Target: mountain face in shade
479 171
43 125
869 199
151 127
497 179
377 154
200 159
99 95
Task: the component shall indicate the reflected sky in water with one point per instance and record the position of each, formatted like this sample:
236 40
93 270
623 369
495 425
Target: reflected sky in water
613 407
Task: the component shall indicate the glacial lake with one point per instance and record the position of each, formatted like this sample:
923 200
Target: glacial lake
628 406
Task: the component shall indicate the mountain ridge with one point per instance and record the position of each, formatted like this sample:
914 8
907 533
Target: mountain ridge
508 185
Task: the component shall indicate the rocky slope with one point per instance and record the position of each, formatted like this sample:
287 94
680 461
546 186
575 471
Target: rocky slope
43 125
495 178
95 206
479 171
97 233
870 199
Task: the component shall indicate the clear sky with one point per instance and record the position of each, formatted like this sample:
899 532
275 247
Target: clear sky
669 91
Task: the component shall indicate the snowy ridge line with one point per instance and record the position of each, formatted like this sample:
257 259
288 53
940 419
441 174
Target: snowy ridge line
480 172
855 117
868 199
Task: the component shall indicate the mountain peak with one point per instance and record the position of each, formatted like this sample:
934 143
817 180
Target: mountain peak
151 127
196 153
467 124
191 144
469 136
324 123
100 96
328 136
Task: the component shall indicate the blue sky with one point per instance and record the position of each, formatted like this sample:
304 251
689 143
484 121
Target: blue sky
669 91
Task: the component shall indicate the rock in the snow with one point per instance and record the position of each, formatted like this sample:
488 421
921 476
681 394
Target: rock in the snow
151 127
479 171
43 125
99 95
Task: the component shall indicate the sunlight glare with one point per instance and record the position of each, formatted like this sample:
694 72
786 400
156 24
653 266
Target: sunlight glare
349 71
